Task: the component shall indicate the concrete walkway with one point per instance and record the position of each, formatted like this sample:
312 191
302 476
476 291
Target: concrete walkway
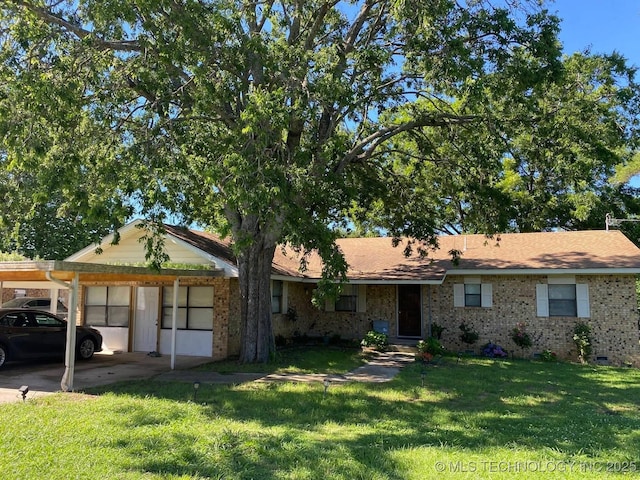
383 367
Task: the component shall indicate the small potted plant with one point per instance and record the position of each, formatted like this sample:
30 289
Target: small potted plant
429 348
375 341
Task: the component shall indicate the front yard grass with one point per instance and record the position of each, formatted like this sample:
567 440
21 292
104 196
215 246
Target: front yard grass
476 418
302 359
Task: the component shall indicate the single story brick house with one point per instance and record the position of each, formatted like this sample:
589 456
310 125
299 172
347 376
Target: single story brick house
547 280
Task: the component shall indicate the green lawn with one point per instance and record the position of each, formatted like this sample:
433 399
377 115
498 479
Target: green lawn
473 419
308 359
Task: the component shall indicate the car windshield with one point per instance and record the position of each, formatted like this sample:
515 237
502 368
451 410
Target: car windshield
16 302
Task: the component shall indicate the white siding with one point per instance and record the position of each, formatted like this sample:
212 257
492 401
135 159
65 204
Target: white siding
130 250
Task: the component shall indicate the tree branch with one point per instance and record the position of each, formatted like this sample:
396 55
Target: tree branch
81 33
367 146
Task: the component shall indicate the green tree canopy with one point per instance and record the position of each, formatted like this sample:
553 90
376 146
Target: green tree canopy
542 158
264 120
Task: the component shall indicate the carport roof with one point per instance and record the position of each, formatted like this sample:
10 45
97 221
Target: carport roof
39 271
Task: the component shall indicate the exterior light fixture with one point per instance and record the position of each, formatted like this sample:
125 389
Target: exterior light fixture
196 386
326 382
24 389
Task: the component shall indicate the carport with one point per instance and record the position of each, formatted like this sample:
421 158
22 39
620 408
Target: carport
55 274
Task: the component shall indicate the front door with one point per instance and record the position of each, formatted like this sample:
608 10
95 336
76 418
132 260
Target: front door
409 311
145 336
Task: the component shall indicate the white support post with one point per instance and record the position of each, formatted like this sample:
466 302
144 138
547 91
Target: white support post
66 384
174 322
53 297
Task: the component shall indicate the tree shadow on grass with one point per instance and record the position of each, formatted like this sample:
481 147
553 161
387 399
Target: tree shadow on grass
264 430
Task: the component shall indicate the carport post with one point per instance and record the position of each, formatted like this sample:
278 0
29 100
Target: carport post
66 384
174 322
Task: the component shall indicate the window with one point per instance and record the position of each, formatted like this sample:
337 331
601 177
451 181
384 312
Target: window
348 299
107 306
276 296
15 320
562 301
353 298
195 308
472 293
47 320
559 298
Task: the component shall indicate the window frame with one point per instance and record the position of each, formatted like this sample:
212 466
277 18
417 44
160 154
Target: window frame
582 298
461 298
277 296
110 306
347 301
556 304
473 299
188 308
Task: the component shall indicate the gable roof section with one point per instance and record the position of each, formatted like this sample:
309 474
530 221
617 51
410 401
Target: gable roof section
222 249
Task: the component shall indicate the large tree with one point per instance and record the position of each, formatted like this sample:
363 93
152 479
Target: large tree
548 156
41 224
265 120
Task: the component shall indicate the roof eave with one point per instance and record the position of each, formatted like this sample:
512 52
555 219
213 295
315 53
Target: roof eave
546 271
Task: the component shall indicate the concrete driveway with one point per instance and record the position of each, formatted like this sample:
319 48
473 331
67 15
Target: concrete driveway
43 378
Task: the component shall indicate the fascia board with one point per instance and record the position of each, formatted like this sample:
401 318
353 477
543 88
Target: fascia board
547 271
359 281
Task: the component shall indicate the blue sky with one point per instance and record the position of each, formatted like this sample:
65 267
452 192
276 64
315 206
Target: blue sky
603 25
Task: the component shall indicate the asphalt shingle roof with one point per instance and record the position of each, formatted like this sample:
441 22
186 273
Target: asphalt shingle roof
376 259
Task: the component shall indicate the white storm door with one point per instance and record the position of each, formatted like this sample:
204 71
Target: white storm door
145 337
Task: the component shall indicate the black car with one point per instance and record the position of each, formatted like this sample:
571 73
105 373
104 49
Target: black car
29 334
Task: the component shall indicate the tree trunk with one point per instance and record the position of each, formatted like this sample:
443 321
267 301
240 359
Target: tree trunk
254 268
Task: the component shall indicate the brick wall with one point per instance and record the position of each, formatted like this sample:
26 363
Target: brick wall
317 322
10 293
233 339
614 317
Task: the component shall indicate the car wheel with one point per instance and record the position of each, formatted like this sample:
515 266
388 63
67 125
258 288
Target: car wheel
86 348
3 355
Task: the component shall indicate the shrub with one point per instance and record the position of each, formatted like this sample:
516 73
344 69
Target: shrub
430 345
548 356
376 340
429 348
468 335
582 339
292 314
492 350
520 336
436 331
